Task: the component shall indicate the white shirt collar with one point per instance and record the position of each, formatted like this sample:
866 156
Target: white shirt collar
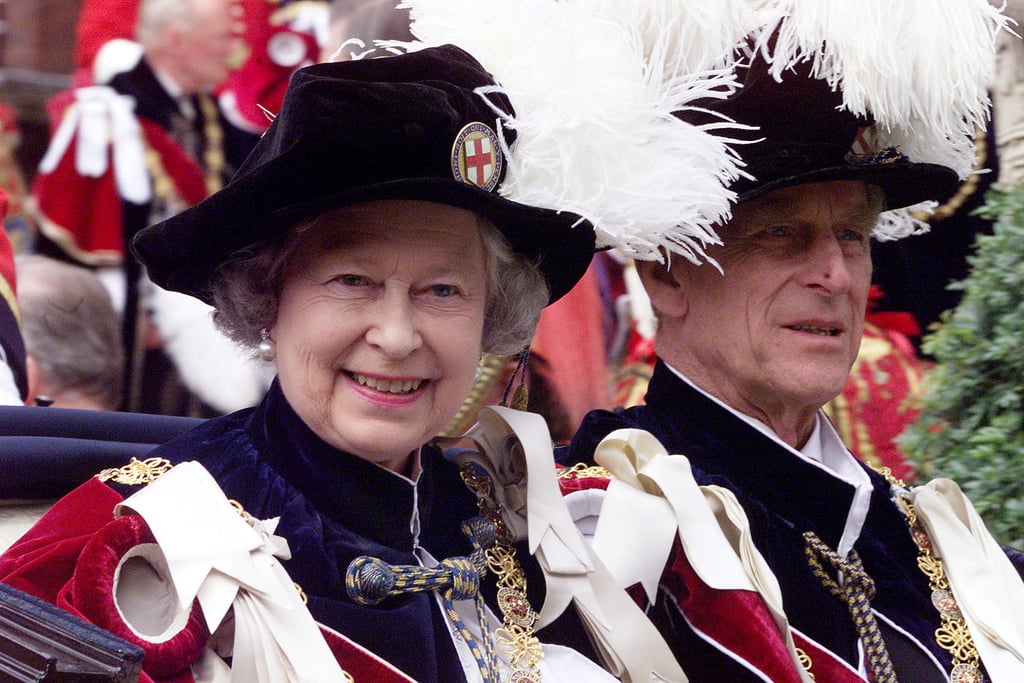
825 450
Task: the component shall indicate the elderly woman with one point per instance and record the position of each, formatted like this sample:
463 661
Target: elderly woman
364 251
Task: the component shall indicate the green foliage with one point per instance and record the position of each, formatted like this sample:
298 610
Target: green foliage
971 428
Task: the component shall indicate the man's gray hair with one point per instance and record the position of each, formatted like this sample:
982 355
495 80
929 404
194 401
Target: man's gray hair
155 16
70 328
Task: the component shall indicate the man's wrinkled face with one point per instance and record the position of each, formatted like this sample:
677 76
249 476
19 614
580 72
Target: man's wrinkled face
781 328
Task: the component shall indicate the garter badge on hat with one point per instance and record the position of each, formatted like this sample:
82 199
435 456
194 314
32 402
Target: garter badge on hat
477 157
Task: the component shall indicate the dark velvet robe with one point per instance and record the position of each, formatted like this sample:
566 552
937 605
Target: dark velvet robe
783 496
335 507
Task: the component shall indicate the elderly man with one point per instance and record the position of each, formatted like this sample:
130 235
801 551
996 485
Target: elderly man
144 144
817 566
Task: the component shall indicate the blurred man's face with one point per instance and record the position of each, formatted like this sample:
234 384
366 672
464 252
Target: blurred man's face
206 49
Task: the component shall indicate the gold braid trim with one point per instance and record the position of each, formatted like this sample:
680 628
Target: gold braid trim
213 154
952 634
966 188
213 160
516 635
487 375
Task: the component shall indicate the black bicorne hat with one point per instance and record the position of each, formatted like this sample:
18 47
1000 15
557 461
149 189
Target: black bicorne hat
801 133
409 126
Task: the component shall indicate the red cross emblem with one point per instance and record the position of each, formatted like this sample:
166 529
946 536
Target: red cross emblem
477 157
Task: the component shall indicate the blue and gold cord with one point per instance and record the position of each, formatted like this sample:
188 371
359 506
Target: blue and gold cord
370 580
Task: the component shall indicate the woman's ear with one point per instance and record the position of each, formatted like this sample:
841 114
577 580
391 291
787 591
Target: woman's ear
667 294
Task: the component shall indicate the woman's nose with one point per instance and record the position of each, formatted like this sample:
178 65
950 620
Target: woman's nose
393 329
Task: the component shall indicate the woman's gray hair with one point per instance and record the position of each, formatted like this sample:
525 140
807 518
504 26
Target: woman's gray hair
246 290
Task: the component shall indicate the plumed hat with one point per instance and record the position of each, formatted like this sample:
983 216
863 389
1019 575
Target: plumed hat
797 131
400 127
887 92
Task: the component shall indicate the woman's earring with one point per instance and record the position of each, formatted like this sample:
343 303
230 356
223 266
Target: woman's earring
267 347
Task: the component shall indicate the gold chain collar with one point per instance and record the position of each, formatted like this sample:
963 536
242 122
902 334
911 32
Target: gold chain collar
952 634
516 635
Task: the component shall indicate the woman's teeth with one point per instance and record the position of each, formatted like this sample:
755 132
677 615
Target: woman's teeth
389 386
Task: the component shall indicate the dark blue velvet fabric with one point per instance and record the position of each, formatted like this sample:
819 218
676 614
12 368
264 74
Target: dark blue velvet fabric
334 507
783 497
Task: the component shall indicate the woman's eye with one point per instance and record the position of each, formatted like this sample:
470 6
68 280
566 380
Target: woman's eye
352 280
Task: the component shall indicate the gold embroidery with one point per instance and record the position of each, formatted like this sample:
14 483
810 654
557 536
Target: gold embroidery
952 634
136 471
583 471
516 635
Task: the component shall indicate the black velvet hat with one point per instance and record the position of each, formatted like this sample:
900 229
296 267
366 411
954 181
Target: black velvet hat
801 133
400 127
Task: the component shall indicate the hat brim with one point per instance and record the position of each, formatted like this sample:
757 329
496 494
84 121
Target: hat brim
904 183
183 252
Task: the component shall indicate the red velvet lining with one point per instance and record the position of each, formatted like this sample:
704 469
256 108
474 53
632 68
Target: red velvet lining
739 622
92 593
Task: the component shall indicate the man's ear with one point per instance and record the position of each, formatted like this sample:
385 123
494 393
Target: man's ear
34 379
668 296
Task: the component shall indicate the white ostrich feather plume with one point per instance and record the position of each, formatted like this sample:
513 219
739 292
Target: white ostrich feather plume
594 84
922 68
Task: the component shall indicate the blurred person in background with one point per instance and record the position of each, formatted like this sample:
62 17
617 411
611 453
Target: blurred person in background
72 335
143 144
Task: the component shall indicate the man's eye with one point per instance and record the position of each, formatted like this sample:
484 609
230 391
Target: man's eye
777 231
444 290
852 236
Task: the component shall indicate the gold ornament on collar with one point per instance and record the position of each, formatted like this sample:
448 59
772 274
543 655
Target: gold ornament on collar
136 471
476 156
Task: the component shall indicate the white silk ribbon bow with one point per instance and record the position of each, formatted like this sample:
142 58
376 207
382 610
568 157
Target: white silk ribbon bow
104 123
987 588
517 454
651 499
213 554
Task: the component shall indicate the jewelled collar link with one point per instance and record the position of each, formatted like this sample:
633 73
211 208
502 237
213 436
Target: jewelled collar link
515 636
952 634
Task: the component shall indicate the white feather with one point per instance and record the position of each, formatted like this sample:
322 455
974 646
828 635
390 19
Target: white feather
922 68
899 223
594 85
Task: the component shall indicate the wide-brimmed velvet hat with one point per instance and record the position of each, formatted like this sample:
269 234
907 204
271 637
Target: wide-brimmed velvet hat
411 126
800 132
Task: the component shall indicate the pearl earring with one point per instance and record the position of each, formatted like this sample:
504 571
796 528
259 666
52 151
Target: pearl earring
267 347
